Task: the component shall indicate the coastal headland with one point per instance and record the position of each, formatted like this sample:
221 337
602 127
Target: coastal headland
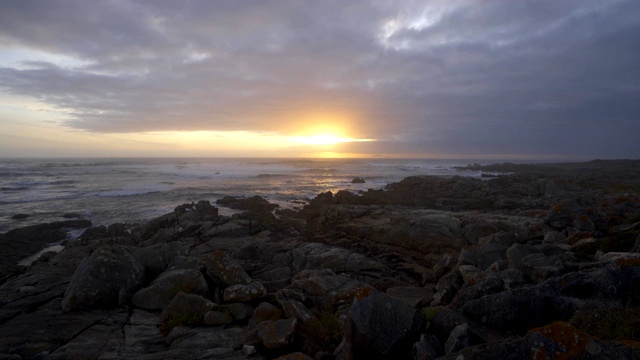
540 262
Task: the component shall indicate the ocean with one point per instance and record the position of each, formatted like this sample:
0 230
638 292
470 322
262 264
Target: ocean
107 191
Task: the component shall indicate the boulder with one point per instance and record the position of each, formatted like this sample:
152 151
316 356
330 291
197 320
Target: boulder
412 295
264 312
160 292
557 340
212 318
185 309
517 252
538 267
244 293
482 256
327 290
107 278
458 339
223 270
447 288
277 334
358 180
297 310
381 326
427 348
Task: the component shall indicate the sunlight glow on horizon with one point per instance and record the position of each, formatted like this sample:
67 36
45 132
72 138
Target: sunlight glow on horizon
325 139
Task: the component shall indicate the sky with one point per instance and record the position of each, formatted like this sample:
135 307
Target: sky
510 79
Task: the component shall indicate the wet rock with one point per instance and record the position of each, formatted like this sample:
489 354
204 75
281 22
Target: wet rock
381 326
160 292
107 278
294 356
358 180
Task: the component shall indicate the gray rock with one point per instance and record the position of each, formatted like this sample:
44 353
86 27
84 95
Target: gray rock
458 339
107 278
517 252
482 256
239 311
264 312
412 295
427 348
223 270
244 293
381 326
185 309
447 288
538 267
216 337
278 334
160 292
554 237
212 318
297 310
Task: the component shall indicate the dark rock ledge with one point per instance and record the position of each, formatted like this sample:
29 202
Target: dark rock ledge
543 263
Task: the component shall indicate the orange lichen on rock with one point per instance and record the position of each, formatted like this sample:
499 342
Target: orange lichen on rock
560 340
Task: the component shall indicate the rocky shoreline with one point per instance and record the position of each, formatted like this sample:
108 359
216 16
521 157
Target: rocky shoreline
541 263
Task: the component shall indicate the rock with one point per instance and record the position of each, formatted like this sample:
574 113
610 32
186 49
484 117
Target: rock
264 312
327 290
223 270
412 295
239 311
557 340
107 278
294 356
19 216
517 252
447 288
222 339
482 256
358 180
160 292
212 318
427 348
278 334
381 326
458 339
538 267
297 310
315 256
249 349
445 264
554 237
185 309
244 293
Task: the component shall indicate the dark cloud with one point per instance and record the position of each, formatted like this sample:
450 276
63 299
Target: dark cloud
465 77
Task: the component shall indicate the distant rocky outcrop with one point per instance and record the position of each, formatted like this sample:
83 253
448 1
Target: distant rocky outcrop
540 263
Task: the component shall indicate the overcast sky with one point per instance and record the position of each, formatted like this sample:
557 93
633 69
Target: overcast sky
513 79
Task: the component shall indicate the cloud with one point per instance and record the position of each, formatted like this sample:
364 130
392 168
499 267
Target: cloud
543 77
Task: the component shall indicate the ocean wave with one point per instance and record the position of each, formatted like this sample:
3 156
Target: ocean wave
123 193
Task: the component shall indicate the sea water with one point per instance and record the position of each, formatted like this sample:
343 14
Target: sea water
107 191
